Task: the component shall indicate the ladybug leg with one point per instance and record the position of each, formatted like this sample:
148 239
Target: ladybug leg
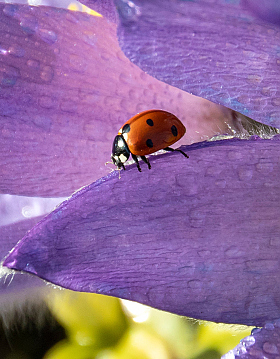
146 161
172 150
136 161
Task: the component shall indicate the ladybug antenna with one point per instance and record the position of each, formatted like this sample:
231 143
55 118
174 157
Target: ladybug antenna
106 163
111 163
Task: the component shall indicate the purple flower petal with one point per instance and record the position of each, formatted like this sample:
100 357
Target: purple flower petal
210 48
268 10
263 343
12 233
9 236
65 90
198 236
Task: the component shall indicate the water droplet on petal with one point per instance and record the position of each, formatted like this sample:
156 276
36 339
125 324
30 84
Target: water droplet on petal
244 99
8 75
43 122
47 73
35 64
275 101
10 10
68 106
128 11
104 56
270 326
270 348
195 284
125 78
71 16
269 90
46 102
29 24
277 323
256 353
48 36
90 38
234 252
221 183
204 253
144 77
245 174
264 167
77 63
239 350
255 331
16 51
248 341
254 79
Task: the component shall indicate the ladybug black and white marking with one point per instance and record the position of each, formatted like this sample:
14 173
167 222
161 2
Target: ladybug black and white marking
146 133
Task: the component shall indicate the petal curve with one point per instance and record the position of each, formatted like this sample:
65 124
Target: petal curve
198 236
65 90
9 236
210 48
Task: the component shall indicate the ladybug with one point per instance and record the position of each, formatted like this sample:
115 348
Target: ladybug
146 133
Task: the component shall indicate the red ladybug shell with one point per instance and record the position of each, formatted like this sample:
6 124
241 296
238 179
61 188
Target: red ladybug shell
151 131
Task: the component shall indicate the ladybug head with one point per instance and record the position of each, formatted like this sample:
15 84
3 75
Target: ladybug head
120 151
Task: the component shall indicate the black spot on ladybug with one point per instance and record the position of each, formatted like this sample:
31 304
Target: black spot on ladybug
150 122
126 128
174 131
149 143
